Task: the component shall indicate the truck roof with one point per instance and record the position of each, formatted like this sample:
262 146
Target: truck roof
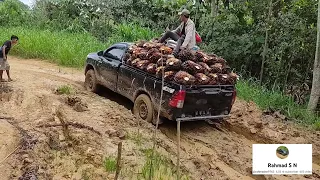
123 43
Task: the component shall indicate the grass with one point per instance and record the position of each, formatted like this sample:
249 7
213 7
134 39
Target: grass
59 47
162 169
110 164
276 100
65 89
68 49
137 138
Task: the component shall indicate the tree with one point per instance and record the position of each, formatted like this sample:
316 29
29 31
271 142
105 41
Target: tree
214 9
315 91
265 48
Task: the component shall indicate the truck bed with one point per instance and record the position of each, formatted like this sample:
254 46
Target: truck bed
204 101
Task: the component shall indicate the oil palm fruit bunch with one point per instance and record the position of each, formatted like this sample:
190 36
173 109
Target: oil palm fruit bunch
226 69
202 79
154 57
129 62
233 76
224 79
182 77
159 45
165 50
209 60
185 55
143 64
169 75
199 56
216 68
206 67
133 48
127 56
214 79
140 43
135 62
149 45
142 54
192 67
220 60
153 50
173 64
152 68
135 51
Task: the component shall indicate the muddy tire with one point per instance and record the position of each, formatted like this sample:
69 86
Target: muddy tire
143 108
91 81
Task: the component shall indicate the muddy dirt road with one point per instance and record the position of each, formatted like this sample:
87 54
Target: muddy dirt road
49 135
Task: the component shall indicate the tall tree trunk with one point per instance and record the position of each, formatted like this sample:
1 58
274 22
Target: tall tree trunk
214 10
315 91
265 48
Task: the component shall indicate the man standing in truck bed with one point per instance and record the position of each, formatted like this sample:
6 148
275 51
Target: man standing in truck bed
4 65
185 34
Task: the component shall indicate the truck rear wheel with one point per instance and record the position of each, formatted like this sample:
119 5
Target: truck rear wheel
91 81
143 108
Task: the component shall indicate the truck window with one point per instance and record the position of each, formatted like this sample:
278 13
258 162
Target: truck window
115 53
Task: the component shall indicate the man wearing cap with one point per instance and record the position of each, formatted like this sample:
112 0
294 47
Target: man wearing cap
4 50
184 34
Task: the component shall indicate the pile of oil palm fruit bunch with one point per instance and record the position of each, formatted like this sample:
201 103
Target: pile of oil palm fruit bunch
186 68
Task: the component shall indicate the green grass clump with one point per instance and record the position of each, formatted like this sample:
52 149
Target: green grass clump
162 168
110 164
65 89
275 100
131 32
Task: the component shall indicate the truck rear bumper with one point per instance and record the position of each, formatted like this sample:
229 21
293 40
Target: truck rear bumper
202 118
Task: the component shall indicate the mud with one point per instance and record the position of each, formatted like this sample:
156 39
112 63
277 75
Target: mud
46 135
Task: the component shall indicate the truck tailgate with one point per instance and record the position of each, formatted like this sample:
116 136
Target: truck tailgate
206 101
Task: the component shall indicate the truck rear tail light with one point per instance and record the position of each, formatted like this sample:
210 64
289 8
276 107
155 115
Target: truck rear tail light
234 95
177 99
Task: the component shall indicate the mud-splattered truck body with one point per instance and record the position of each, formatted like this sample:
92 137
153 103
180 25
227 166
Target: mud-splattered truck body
206 102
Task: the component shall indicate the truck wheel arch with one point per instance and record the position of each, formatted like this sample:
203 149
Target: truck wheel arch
139 92
88 67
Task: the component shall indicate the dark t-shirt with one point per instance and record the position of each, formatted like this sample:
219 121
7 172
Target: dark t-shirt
8 47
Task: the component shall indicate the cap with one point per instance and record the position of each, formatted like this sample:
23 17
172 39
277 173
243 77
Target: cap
184 12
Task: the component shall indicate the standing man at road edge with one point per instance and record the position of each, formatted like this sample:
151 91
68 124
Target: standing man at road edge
4 65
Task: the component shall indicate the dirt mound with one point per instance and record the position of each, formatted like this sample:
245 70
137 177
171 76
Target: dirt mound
77 104
5 92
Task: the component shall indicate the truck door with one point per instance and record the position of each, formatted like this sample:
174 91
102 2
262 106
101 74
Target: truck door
111 61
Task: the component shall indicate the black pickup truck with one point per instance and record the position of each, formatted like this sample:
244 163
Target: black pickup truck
180 103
